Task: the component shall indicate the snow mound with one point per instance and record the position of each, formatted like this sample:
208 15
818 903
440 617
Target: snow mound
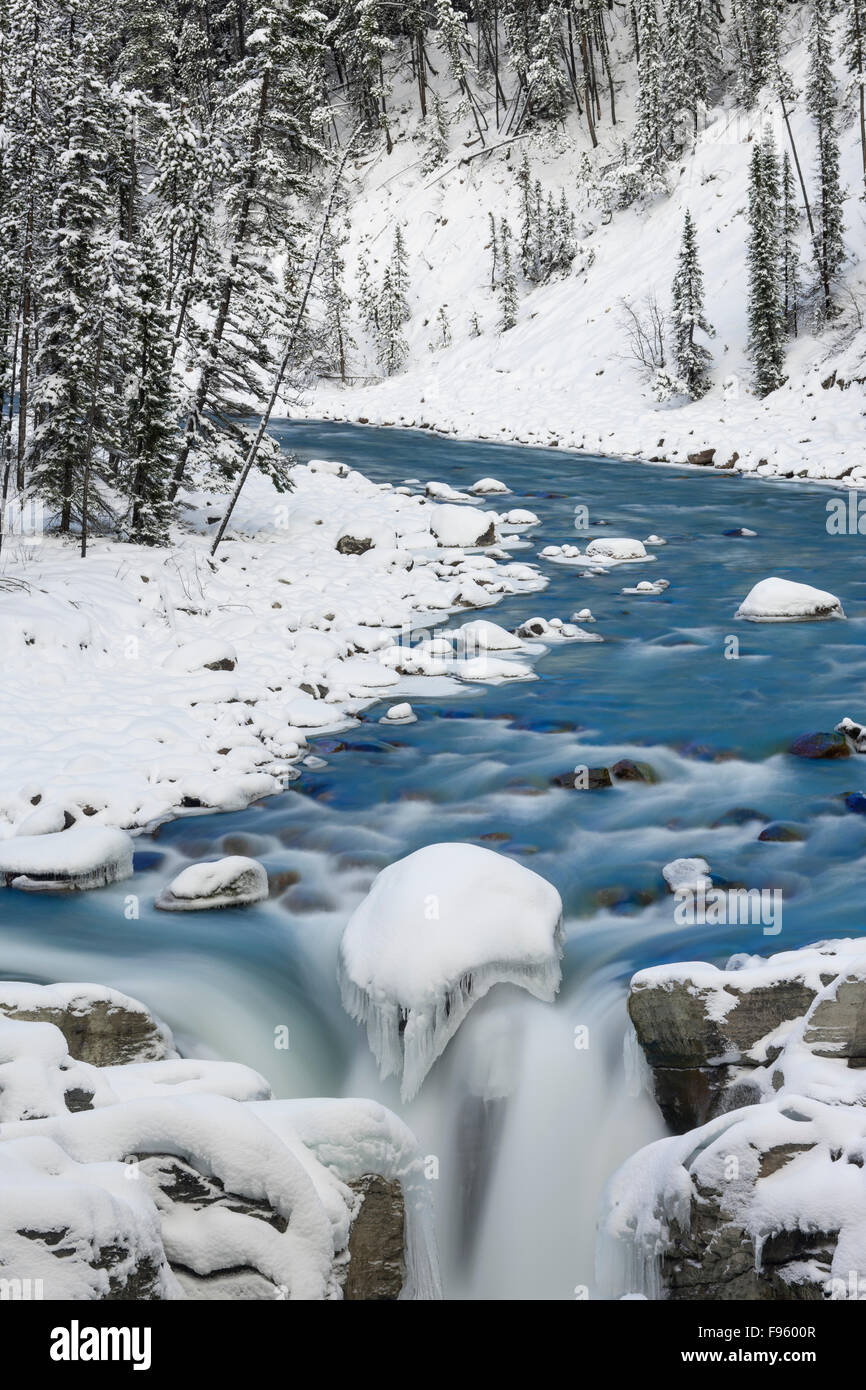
461 526
484 636
232 882
85 856
616 548
781 600
399 714
202 654
437 930
485 486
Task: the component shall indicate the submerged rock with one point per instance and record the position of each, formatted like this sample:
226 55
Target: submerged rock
783 831
627 770
822 745
232 882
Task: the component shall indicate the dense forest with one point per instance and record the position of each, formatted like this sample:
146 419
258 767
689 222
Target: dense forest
172 214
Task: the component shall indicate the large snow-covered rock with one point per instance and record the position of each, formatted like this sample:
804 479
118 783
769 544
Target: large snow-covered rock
781 600
85 856
235 881
617 548
765 1198
202 654
182 1178
101 1026
453 525
436 931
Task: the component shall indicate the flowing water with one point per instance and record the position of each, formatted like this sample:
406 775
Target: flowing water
529 1110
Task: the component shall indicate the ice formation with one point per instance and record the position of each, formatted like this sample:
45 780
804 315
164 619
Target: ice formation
436 931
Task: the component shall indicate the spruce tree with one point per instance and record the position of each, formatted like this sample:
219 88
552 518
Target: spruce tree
854 51
336 340
792 288
149 426
691 358
436 148
829 249
545 76
391 347
649 146
508 283
765 305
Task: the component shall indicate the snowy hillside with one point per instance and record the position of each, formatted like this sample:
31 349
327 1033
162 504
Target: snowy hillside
565 373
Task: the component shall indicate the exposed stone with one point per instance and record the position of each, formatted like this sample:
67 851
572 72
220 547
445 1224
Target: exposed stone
377 1267
101 1026
821 745
702 457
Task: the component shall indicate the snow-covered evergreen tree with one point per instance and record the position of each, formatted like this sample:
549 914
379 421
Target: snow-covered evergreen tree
792 287
149 425
399 276
77 412
829 246
508 281
854 51
391 346
691 358
765 307
648 140
545 76
436 147
336 340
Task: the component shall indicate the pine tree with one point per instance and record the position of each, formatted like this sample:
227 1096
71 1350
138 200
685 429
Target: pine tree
765 307
74 409
792 289
854 51
508 283
436 150
391 348
400 276
494 249
268 118
527 217
649 147
443 329
368 304
687 315
546 79
336 340
829 246
150 421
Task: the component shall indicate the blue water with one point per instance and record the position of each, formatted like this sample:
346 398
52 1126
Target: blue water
659 688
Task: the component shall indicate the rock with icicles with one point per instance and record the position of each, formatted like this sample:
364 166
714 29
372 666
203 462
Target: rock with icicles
437 930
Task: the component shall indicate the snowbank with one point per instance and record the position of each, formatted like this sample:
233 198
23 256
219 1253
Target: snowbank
171 682
437 930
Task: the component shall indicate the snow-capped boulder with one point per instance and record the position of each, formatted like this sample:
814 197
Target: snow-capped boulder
357 538
687 875
519 517
853 731
763 1200
444 492
483 636
399 714
462 526
232 882
616 548
101 1026
486 486
781 600
202 654
437 930
85 856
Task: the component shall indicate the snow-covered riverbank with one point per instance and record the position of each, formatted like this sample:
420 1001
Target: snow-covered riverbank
142 682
